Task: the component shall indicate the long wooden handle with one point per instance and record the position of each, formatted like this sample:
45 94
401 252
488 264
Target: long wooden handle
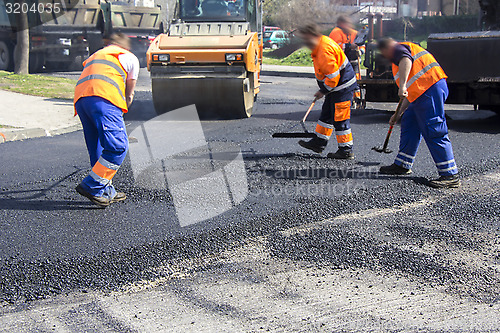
400 106
309 111
388 137
391 128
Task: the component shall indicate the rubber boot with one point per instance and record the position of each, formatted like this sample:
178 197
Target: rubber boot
394 169
445 182
120 196
344 153
99 201
316 144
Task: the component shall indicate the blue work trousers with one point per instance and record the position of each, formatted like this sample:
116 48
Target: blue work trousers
107 143
425 118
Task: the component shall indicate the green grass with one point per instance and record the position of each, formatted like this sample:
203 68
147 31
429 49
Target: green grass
301 57
38 85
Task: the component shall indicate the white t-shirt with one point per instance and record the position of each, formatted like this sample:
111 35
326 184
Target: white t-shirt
131 65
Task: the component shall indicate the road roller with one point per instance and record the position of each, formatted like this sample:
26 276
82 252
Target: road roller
210 56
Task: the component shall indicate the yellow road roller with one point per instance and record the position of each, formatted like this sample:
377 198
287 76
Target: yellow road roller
211 57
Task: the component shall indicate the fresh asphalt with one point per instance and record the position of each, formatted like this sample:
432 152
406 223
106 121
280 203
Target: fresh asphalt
53 241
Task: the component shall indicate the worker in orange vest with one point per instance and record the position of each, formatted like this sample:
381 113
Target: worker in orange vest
103 94
345 35
336 80
422 85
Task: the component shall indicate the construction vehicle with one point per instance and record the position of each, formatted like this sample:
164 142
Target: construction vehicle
77 30
140 24
56 39
210 57
470 60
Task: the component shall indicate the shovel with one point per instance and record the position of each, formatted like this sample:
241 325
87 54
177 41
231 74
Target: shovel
306 133
384 148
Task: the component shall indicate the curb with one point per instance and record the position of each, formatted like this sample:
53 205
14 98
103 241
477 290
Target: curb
8 135
287 74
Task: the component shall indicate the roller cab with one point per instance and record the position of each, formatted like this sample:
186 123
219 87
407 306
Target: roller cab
210 57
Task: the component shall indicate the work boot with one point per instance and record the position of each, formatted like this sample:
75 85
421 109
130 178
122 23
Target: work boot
120 196
394 169
344 153
99 201
316 144
445 182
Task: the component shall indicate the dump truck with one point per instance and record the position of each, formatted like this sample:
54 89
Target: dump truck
56 40
211 56
141 24
470 59
78 29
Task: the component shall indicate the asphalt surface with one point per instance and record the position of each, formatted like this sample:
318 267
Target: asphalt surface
54 242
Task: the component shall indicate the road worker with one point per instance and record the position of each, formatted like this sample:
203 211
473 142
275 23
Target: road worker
422 84
345 35
336 80
103 94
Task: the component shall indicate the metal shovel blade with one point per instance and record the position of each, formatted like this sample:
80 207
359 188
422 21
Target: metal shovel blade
304 134
293 135
382 150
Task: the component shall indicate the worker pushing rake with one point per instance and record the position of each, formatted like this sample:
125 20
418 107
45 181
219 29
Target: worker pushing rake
422 91
337 83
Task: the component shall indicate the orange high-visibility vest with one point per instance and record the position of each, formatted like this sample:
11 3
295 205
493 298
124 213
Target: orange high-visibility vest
340 37
104 76
330 64
424 72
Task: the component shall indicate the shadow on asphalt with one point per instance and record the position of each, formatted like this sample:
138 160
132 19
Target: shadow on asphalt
27 199
45 205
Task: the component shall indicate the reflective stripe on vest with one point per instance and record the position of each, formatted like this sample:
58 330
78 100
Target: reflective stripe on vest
326 56
104 76
425 71
109 63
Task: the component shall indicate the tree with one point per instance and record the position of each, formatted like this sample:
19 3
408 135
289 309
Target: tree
22 50
289 14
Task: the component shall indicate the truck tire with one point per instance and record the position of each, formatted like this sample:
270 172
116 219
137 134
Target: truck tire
36 62
6 56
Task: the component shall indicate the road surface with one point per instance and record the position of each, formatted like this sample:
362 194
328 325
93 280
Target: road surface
315 245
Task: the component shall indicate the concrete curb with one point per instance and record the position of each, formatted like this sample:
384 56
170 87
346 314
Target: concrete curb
287 74
16 134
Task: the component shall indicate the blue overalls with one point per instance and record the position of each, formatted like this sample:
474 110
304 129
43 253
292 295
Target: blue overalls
425 118
106 139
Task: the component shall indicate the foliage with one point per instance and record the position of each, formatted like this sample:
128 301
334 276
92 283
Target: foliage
290 14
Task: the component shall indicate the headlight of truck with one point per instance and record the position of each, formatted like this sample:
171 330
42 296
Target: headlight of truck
161 57
230 57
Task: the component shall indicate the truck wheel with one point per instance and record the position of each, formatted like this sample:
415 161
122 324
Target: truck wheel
36 63
6 56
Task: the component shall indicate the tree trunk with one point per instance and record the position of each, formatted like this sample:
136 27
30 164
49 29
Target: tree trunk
22 50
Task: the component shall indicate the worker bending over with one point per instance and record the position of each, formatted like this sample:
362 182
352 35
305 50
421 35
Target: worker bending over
345 35
337 81
103 93
422 84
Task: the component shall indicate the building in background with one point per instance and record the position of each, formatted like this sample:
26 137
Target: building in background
409 8
414 8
